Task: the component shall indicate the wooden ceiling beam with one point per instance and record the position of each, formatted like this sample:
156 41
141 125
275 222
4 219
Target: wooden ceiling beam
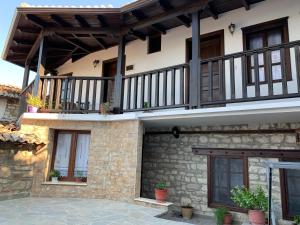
173 13
159 28
212 11
82 21
100 42
83 30
23 42
60 21
76 43
246 4
137 34
185 20
28 30
102 21
37 21
35 47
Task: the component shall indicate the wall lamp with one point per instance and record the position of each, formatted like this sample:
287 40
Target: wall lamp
231 28
96 63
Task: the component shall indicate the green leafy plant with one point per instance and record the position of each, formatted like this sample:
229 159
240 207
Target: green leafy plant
297 220
161 186
105 108
220 214
186 205
54 173
35 101
253 200
146 105
79 173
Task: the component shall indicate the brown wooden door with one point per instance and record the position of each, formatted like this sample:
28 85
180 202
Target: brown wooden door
211 45
109 70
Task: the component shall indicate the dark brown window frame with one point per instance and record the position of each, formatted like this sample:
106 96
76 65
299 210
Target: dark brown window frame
281 23
149 51
71 166
283 189
210 172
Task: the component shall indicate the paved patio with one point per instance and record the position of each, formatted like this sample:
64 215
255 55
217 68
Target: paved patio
54 211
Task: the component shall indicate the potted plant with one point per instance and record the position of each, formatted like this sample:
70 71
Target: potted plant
105 108
254 201
34 103
161 192
54 175
147 107
187 211
297 220
223 217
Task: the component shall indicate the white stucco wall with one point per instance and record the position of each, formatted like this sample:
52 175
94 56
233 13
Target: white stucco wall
174 49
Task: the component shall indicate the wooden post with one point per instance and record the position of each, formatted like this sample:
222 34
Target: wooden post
22 99
40 68
195 68
118 90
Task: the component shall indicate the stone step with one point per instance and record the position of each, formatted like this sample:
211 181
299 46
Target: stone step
153 203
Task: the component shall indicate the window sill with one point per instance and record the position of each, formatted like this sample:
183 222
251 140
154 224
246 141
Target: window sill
63 183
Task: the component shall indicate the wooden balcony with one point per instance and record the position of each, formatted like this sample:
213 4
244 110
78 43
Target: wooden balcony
262 74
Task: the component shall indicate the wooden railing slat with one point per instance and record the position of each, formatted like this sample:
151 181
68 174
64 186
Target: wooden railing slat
244 78
181 80
256 75
173 72
270 73
210 81
87 95
58 95
94 95
283 72
232 78
297 59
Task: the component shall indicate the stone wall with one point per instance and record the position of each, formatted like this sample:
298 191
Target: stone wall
15 174
171 160
114 163
11 109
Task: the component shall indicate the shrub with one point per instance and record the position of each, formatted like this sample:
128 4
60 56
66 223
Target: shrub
54 173
35 101
297 220
253 200
220 214
161 186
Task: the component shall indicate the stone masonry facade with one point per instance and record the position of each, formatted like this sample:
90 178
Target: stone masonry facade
170 160
16 174
114 162
11 109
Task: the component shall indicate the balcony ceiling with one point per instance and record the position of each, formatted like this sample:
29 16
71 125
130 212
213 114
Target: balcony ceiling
73 33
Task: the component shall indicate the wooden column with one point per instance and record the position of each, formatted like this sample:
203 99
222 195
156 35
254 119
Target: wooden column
22 100
118 90
195 68
40 68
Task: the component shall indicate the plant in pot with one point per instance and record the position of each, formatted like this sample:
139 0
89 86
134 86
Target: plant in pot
54 175
187 211
296 220
255 201
161 192
105 108
34 103
223 217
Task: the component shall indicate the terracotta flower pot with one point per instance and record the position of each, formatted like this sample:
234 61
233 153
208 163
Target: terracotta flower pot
32 109
187 212
227 219
161 195
257 217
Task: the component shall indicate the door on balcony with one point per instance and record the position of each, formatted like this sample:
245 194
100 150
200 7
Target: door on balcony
211 45
109 70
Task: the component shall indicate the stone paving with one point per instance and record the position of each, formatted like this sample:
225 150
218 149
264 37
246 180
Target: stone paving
55 211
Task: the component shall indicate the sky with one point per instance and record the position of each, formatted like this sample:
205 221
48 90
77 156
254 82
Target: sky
10 73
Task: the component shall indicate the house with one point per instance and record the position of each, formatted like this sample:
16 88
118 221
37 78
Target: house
9 103
203 93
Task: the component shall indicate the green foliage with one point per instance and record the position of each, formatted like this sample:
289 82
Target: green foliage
161 186
297 220
255 200
146 105
105 108
35 101
220 214
54 173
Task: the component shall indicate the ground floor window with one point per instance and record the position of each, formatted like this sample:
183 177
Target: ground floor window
290 186
70 155
225 173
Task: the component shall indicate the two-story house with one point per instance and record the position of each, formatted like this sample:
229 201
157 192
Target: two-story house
203 93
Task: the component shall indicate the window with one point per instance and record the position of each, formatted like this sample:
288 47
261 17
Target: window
70 155
225 173
154 43
266 35
290 186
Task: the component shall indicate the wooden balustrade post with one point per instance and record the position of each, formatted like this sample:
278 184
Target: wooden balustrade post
22 98
118 90
195 67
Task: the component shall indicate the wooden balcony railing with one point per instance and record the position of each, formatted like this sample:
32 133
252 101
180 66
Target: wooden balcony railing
157 89
74 94
263 74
